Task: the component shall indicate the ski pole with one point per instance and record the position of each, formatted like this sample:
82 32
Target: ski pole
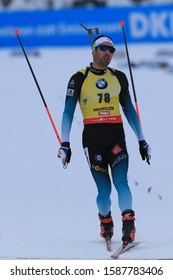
130 69
90 32
38 87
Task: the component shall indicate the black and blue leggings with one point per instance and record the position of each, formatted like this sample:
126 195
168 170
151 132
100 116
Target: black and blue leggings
105 149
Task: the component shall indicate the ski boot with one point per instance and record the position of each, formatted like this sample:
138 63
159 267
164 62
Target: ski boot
106 226
128 229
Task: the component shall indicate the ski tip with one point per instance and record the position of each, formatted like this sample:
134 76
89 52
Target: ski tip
16 31
136 242
123 249
132 244
122 23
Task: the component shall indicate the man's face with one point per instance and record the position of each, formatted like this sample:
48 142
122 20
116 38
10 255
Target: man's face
103 54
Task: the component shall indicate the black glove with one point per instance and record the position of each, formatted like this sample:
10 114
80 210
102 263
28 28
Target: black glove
65 153
145 151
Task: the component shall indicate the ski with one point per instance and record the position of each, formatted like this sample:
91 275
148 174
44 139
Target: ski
108 244
124 249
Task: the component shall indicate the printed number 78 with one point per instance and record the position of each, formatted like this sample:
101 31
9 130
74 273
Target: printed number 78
104 96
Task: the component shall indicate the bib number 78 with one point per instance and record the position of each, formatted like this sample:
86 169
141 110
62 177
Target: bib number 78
104 97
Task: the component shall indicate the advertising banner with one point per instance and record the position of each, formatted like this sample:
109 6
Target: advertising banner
57 28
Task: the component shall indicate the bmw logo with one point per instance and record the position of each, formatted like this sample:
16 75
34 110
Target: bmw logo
101 83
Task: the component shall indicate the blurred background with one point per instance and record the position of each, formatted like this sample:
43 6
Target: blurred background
58 4
57 22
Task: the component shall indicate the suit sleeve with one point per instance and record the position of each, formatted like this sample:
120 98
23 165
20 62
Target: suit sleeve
128 108
72 96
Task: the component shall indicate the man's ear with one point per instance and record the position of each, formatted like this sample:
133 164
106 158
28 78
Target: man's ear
94 51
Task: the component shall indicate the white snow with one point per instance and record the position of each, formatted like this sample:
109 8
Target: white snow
47 212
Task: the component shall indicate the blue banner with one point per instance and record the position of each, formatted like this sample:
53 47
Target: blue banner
58 28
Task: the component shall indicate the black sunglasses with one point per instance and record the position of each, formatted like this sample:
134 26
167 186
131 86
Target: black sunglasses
104 48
